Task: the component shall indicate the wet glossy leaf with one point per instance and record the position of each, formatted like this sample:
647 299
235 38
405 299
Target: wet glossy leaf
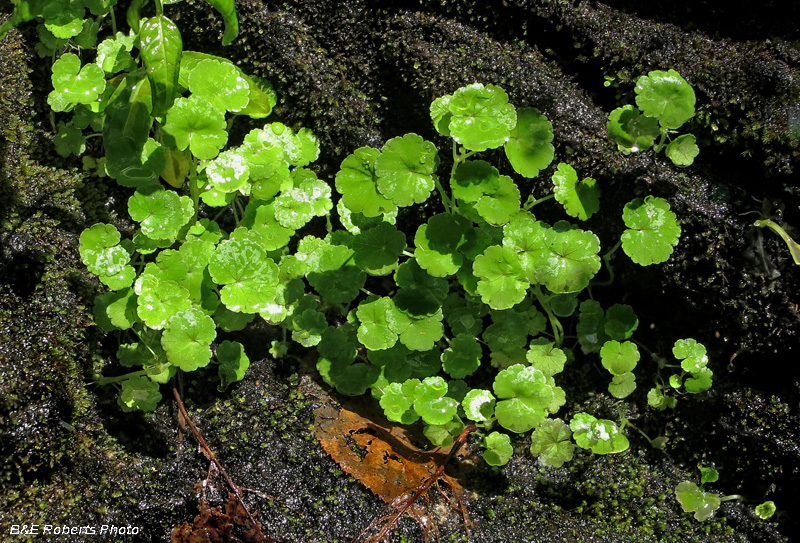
481 117
187 339
529 149
631 130
162 213
619 358
652 233
666 96
579 198
405 169
220 83
73 84
195 123
600 435
501 283
682 150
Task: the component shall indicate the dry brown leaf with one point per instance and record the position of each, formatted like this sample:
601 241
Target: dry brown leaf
376 452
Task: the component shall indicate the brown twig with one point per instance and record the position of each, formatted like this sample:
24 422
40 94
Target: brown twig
208 453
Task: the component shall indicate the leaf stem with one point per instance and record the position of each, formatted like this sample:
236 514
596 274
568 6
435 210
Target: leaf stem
607 262
194 191
555 324
529 204
102 381
794 247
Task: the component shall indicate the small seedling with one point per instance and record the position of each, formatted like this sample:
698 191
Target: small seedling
664 102
694 499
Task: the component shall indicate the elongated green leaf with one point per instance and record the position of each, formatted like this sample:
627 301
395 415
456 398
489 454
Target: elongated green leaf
227 9
161 46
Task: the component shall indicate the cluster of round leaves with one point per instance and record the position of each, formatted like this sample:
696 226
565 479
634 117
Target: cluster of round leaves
665 101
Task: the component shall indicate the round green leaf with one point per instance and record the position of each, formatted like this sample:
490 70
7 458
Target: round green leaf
162 213
233 362
463 357
376 331
100 250
221 84
357 183
229 171
666 96
139 393
159 300
619 358
73 84
621 322
563 258
195 123
498 449
682 150
501 282
580 199
600 435
419 293
377 249
398 401
187 339
437 243
545 357
481 117
529 149
631 130
622 385
652 232
249 276
431 402
419 333
551 443
478 405
405 169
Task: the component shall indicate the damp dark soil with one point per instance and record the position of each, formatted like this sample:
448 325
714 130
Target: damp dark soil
357 73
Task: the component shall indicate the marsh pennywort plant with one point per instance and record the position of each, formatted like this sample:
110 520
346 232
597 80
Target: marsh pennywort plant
408 316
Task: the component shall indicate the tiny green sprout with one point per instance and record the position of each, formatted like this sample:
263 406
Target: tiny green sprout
765 510
794 247
694 499
498 449
665 102
233 362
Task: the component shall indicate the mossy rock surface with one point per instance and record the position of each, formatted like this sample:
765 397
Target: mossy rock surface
358 73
